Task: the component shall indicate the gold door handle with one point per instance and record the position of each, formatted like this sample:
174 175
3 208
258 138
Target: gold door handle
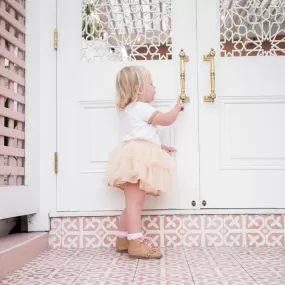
211 57
183 59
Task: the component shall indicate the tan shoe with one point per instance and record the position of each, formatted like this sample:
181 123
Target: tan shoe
141 248
122 245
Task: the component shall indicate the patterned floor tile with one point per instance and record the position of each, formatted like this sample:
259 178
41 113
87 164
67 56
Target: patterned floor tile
206 258
267 272
276 281
44 282
149 282
11 279
219 272
179 266
109 277
222 281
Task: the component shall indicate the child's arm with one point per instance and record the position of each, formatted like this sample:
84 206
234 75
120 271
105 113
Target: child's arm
168 149
167 119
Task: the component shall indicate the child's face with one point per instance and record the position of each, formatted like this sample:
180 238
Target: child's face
148 92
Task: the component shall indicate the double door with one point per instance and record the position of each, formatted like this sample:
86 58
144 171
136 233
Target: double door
230 137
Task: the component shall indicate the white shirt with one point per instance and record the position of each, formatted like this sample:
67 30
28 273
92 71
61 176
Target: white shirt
135 123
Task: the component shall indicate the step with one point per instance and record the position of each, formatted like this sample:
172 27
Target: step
19 249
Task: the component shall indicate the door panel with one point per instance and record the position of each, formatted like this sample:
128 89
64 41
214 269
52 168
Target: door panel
87 120
241 132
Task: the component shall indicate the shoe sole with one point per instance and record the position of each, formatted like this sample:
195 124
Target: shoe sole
121 250
142 257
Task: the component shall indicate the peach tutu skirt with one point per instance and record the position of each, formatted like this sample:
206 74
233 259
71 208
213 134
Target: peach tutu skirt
141 161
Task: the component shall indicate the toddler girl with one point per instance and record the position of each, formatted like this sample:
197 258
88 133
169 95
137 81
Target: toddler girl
141 165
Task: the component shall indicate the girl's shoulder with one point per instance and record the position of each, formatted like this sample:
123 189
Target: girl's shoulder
136 106
140 110
140 105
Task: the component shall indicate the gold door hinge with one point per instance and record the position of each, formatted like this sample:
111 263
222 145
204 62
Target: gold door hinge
55 38
56 163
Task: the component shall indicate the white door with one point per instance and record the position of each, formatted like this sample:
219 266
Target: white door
87 64
242 133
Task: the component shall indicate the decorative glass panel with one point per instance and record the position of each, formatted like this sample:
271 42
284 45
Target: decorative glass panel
126 30
252 27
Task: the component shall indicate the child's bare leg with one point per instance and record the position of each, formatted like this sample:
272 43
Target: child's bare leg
122 243
139 246
130 221
134 204
123 230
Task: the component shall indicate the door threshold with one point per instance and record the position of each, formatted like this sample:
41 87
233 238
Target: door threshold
73 213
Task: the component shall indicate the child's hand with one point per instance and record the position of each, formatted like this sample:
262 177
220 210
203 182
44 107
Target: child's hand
179 106
168 149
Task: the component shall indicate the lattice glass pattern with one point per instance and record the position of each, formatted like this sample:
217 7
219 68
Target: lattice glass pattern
126 30
12 92
252 27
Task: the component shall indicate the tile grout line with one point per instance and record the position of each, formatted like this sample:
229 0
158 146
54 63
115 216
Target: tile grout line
86 266
242 267
80 225
243 225
61 232
188 266
162 231
109 270
272 251
135 272
162 269
63 264
32 268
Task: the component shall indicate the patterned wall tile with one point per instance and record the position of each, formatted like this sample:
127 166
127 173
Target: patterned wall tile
91 227
55 233
265 230
276 230
71 232
233 230
152 225
109 229
173 231
81 232
213 230
192 226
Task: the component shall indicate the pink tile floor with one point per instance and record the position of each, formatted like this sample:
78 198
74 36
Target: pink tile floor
179 266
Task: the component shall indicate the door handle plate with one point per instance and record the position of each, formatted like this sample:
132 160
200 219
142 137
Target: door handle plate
211 58
183 59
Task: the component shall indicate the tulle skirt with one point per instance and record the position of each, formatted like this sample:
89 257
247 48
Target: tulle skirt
143 162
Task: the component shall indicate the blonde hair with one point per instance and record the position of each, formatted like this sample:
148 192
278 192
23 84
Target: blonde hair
128 83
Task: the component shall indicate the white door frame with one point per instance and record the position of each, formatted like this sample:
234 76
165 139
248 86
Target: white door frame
52 191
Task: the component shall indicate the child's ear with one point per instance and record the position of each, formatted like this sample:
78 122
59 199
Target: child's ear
139 91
